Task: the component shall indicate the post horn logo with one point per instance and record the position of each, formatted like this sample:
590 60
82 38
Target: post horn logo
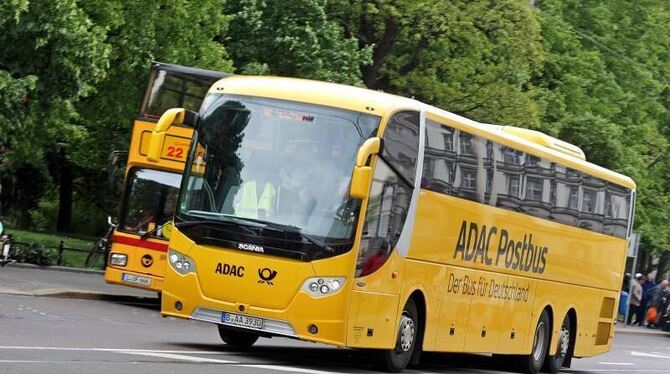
147 261
267 275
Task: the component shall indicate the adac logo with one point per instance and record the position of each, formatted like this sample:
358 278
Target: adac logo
267 275
147 261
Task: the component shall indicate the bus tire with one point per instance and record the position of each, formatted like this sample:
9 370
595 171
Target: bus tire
554 363
237 338
533 362
396 359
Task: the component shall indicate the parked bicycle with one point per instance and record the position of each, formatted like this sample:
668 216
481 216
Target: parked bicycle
101 247
6 246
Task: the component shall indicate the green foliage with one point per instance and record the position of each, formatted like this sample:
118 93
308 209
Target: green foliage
35 254
292 38
593 73
473 58
605 88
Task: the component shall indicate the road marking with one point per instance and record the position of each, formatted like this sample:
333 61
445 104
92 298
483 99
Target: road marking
290 369
616 363
180 357
653 355
123 350
617 371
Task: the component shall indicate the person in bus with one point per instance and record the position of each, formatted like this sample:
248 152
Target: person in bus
257 194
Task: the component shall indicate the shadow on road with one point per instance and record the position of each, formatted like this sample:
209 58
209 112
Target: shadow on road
150 303
346 360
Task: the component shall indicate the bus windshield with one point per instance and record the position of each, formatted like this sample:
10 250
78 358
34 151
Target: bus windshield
282 164
151 196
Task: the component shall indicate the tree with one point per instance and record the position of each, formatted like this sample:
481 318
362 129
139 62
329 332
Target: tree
294 39
605 88
179 32
41 79
474 58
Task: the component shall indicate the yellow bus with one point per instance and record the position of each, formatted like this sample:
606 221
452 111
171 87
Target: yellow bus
360 219
137 254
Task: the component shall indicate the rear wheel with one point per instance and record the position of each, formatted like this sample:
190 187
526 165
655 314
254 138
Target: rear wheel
396 359
554 363
533 362
237 338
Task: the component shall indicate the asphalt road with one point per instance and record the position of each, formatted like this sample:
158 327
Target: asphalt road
62 335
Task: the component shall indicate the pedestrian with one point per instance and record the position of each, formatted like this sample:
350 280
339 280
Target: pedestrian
635 298
659 299
647 289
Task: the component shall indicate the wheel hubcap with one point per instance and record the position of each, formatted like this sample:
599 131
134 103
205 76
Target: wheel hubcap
538 344
407 331
564 341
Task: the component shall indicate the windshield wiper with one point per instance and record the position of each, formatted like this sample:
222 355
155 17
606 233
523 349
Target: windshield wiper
153 231
217 222
292 230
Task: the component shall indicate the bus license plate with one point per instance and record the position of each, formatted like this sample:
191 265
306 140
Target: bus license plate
244 321
136 279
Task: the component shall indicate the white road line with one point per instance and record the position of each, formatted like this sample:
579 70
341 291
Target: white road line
617 363
617 371
180 357
290 369
168 354
122 350
654 355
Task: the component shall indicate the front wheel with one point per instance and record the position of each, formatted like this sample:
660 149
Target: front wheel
237 338
396 359
554 363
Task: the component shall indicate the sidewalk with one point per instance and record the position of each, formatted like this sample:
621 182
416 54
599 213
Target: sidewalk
637 330
29 280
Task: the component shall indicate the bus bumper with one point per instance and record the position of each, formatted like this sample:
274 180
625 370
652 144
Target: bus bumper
133 279
297 320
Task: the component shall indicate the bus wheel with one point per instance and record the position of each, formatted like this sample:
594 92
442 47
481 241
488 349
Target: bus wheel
237 338
396 359
532 363
553 363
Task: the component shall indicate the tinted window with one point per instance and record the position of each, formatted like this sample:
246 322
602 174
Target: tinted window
401 143
469 166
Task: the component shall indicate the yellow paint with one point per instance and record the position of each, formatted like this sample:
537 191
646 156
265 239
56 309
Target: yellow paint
177 138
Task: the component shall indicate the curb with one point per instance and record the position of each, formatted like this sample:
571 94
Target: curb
641 332
84 295
56 268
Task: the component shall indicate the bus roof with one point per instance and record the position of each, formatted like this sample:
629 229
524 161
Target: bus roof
382 104
188 70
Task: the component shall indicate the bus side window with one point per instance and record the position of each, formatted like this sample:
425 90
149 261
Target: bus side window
390 194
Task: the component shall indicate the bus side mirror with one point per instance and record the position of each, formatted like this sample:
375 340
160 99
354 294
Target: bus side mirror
362 175
174 116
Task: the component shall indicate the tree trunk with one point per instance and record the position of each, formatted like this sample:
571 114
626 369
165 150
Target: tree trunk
64 221
662 266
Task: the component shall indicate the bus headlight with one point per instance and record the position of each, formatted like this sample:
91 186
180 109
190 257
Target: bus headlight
323 286
118 259
180 263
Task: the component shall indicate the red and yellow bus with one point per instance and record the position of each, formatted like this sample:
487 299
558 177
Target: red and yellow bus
356 218
138 250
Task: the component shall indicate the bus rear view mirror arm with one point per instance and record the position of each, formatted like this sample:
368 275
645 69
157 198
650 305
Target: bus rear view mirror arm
362 174
174 116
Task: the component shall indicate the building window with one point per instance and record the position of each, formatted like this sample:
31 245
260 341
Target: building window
589 201
534 189
513 185
573 197
466 144
469 179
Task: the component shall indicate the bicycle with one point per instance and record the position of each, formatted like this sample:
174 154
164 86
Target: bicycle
6 246
101 247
